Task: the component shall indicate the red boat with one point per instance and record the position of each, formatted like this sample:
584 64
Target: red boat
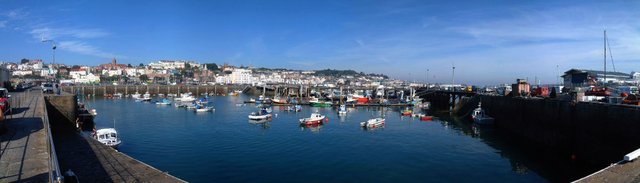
407 112
313 120
598 91
426 118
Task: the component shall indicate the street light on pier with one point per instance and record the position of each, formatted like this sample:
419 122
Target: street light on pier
427 81
453 75
53 46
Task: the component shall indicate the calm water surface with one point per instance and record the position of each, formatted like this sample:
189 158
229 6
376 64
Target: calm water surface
223 146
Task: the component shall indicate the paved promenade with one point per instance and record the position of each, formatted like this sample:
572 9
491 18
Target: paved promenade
23 145
619 172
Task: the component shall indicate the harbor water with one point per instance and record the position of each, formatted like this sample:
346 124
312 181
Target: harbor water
224 146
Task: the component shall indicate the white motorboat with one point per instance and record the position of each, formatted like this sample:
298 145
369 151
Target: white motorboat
315 118
135 95
117 95
480 117
186 97
262 114
372 123
164 102
342 110
203 109
108 136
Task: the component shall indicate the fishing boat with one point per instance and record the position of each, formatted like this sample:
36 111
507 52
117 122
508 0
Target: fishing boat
185 97
202 101
200 108
426 118
359 97
262 114
108 136
145 98
342 110
180 104
372 123
164 102
135 95
480 117
315 118
407 112
278 100
315 102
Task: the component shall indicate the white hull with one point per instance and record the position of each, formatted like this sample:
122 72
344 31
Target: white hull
259 117
372 123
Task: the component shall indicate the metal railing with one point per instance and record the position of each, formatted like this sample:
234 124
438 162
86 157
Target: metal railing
55 174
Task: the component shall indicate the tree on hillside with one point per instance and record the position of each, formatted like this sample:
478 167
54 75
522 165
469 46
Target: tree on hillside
141 65
144 78
24 60
75 67
129 66
211 67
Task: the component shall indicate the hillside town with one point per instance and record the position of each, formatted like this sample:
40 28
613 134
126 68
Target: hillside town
169 72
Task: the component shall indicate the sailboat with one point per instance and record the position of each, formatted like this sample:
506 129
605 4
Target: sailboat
602 90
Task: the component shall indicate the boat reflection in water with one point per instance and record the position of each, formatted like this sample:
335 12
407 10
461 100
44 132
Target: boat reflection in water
314 128
264 123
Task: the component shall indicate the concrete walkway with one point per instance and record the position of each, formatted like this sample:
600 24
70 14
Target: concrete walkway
92 161
23 146
619 172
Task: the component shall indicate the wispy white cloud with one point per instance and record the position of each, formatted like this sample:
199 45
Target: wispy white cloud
19 13
54 33
85 49
3 23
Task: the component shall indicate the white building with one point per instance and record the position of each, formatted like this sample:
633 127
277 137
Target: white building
77 73
89 78
241 76
168 64
114 72
22 72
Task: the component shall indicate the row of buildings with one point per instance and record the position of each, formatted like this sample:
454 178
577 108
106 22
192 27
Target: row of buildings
186 72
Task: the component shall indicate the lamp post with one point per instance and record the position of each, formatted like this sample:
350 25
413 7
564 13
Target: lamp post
453 75
427 77
53 46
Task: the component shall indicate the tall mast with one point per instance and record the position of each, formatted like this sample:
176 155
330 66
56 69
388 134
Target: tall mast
605 58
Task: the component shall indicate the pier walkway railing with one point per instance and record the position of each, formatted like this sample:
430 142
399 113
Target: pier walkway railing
55 174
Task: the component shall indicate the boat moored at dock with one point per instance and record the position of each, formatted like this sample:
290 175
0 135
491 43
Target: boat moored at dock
108 136
480 117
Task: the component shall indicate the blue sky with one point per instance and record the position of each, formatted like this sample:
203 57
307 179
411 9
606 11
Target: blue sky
489 42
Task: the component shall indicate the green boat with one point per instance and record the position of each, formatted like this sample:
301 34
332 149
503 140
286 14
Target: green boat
317 103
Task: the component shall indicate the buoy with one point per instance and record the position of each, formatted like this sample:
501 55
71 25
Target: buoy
326 120
573 157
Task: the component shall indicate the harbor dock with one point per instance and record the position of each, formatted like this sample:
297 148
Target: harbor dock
23 142
34 149
617 172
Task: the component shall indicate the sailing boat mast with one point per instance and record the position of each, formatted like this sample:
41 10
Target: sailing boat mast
605 58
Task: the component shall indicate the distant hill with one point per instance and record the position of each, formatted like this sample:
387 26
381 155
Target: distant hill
338 73
325 72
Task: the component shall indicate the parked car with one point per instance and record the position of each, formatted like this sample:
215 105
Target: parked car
4 100
47 88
